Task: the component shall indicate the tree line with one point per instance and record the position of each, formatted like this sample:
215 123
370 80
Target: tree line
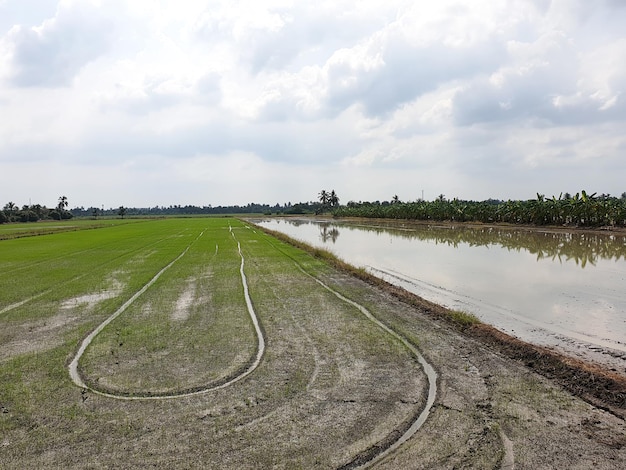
580 210
178 210
34 212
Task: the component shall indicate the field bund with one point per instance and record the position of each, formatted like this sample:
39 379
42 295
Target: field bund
195 343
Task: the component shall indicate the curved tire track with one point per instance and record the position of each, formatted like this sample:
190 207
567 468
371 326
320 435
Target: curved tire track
426 366
78 380
429 370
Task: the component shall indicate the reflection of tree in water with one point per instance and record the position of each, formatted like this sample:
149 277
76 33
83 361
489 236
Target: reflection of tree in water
582 248
328 232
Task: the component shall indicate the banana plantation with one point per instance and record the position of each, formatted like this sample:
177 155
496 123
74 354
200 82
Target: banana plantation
581 210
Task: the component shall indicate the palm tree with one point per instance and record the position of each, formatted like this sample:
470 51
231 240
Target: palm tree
333 199
10 207
62 203
323 197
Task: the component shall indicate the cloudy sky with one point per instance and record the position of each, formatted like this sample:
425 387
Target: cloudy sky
159 102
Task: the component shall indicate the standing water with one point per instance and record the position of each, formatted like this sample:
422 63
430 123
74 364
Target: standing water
559 289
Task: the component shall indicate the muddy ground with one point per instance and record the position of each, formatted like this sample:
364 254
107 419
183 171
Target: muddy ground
540 408
330 391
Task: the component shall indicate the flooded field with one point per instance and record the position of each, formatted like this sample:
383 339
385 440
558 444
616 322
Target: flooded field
549 287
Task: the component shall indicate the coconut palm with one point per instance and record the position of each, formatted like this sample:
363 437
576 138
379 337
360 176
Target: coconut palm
323 197
62 203
10 207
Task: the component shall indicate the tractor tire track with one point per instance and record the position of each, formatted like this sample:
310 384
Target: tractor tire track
364 459
426 366
78 380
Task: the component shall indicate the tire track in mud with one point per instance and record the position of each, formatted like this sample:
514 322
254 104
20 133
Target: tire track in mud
73 366
364 459
508 459
426 366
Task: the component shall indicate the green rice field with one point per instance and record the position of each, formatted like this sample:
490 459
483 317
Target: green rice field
158 309
207 343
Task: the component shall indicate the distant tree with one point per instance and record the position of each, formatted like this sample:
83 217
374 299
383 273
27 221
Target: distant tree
121 211
10 207
61 212
624 195
62 204
3 218
395 199
27 216
40 210
323 197
296 209
328 200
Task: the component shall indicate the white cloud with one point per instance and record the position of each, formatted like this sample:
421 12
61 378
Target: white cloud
272 100
52 53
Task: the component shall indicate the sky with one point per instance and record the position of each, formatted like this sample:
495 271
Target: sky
155 102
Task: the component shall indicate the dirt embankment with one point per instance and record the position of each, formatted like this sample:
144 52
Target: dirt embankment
599 386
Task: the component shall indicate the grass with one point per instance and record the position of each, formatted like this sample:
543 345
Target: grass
464 319
214 340
47 227
71 281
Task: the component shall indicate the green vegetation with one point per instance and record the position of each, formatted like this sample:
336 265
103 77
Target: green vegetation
34 212
463 319
328 201
190 329
287 208
22 230
581 210
333 387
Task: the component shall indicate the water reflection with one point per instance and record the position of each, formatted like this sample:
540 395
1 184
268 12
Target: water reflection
328 232
581 248
567 284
